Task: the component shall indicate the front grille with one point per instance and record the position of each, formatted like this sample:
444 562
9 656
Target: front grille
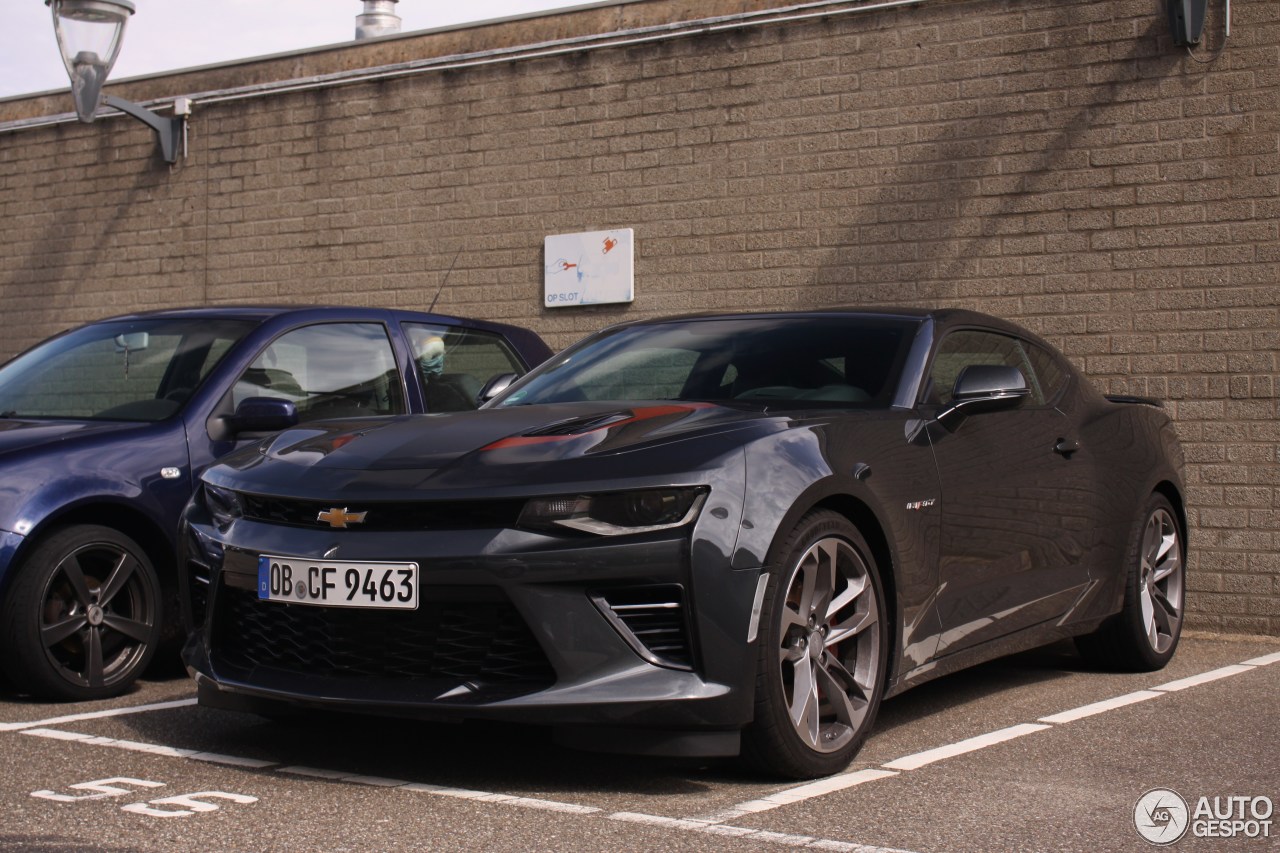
652 620
424 515
477 636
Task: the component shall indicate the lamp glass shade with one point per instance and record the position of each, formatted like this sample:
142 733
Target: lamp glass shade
89 33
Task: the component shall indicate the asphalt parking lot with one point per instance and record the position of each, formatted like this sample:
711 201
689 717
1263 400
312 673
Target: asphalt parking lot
1029 753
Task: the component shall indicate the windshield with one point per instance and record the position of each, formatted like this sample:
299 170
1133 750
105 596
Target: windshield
799 361
137 370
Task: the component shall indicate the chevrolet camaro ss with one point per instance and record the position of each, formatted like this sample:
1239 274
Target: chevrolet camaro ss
710 535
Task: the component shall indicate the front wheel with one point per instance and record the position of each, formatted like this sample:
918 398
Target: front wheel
1144 635
82 619
822 654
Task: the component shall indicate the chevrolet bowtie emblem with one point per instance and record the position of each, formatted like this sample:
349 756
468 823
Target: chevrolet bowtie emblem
340 517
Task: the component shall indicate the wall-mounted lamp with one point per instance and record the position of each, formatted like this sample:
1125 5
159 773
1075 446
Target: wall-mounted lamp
89 34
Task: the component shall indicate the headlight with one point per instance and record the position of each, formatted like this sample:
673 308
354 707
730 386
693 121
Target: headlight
616 513
223 505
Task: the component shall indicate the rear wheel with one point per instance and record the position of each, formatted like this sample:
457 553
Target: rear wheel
82 620
1144 635
822 651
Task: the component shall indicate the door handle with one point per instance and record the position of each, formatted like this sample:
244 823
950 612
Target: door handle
1066 447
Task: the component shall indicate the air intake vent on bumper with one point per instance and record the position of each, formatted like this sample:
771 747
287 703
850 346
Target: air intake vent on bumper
652 621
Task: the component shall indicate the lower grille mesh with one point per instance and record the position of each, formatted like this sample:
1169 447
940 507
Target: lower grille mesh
483 641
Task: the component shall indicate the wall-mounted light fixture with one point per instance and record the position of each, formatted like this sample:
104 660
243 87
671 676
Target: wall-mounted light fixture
89 35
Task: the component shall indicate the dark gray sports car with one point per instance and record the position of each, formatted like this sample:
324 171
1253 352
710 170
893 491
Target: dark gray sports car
705 535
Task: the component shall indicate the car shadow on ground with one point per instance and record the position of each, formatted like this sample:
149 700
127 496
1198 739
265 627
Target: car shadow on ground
526 760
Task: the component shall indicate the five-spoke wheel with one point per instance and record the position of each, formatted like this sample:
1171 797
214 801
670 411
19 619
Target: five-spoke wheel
83 618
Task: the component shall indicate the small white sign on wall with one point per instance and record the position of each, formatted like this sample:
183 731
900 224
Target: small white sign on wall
590 268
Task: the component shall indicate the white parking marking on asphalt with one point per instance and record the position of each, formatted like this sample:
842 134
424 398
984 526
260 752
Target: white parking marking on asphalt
97 715
1101 707
376 781
798 794
102 788
1265 660
485 796
921 759
805 841
1203 678
54 734
973 744
316 772
232 760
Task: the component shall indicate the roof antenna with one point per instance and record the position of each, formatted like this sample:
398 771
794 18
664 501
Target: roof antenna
440 289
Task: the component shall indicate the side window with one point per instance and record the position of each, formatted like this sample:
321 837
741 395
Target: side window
959 350
1052 378
333 370
454 363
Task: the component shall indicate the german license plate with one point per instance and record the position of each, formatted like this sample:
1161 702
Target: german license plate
338 583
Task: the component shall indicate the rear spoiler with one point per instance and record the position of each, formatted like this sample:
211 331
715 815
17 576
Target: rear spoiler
1129 398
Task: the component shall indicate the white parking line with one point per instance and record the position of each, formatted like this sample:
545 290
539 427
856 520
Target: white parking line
922 759
973 744
97 715
1203 678
717 824
1265 660
1100 707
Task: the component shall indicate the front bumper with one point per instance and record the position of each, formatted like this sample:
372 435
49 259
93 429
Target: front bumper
513 626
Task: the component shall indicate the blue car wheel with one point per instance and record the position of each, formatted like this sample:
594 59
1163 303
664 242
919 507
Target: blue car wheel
82 619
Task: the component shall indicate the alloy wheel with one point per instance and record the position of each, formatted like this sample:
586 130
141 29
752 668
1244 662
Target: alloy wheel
96 616
829 651
1161 581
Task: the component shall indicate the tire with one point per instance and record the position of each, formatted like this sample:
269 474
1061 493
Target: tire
817 697
1143 636
82 619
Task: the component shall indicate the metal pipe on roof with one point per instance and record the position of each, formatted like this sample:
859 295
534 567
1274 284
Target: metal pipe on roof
378 19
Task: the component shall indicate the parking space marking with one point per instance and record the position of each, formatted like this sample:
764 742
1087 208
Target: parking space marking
1204 678
803 792
1265 660
921 759
718 824
973 744
1101 707
710 828
98 715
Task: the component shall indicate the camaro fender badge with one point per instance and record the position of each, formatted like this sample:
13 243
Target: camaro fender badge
922 504
340 517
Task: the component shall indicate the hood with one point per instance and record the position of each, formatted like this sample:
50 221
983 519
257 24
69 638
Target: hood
25 435
506 446
518 433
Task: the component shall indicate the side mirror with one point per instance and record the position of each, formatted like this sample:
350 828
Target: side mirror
495 386
258 414
984 388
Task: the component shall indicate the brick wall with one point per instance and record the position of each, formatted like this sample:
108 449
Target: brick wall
1056 162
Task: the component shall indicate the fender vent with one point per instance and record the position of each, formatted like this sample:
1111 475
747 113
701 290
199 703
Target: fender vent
652 621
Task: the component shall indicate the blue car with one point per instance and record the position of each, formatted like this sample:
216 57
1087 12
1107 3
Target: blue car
105 429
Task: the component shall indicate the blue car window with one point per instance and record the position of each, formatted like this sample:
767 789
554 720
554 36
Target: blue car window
329 370
454 363
138 370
